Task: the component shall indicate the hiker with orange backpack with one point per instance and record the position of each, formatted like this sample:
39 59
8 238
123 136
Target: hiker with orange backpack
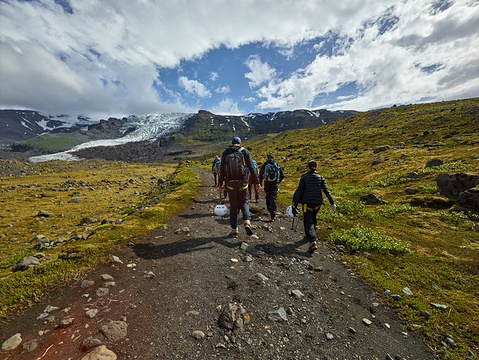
234 177
310 193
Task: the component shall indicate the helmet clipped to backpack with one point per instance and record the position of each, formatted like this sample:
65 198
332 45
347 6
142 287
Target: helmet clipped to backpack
221 210
289 211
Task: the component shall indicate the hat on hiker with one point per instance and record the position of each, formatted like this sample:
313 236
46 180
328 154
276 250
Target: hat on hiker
313 164
270 157
236 140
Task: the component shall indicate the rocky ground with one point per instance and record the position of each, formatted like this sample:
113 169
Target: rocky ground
187 291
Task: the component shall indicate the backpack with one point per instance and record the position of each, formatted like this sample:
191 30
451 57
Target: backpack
271 172
235 165
216 166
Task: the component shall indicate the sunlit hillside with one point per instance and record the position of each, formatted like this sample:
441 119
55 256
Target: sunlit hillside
442 263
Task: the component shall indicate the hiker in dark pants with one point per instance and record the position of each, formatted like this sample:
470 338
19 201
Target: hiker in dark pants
272 174
251 186
215 168
235 161
310 194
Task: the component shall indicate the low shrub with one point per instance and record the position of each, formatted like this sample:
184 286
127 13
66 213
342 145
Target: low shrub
362 238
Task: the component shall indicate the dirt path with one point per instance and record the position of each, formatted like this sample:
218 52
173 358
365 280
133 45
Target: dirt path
174 284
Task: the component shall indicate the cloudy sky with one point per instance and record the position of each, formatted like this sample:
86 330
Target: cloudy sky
121 57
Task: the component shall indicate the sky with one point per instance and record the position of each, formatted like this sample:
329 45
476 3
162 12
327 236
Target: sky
132 57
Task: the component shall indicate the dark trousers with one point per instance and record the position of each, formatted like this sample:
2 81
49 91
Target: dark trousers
271 202
310 221
238 201
215 174
251 187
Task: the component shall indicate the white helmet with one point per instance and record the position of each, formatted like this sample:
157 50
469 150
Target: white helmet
289 211
221 210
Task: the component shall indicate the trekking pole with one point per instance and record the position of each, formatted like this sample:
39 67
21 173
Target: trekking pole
292 224
296 226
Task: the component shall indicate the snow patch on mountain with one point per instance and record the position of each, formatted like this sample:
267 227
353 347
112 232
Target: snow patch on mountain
145 128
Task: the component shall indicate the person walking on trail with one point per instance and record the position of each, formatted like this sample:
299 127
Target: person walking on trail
251 186
310 193
272 174
233 175
215 168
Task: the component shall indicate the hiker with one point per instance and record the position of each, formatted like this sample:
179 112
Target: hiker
272 174
215 168
233 175
310 194
250 182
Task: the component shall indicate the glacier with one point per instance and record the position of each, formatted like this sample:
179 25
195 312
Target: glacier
146 128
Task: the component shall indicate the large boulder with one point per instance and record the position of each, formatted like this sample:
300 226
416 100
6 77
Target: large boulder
451 185
470 198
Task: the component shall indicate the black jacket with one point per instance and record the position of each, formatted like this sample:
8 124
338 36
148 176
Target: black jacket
310 190
249 164
269 185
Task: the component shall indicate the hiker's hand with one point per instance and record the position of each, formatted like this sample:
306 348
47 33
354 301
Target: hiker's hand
333 207
220 188
295 210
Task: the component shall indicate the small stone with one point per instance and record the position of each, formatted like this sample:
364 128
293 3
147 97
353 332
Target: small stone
193 313
100 292
450 341
31 345
297 294
440 306
352 330
87 283
106 277
12 342
329 336
407 291
234 260
396 297
278 315
116 259
89 343
373 307
425 314
198 334
92 313
64 323
367 322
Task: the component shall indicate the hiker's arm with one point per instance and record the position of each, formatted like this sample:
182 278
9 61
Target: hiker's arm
298 194
328 194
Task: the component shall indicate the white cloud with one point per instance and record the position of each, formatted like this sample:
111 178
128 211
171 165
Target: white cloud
194 87
226 107
60 62
213 76
223 90
387 68
260 72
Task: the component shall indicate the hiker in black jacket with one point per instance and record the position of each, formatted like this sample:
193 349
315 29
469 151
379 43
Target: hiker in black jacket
272 174
310 194
234 162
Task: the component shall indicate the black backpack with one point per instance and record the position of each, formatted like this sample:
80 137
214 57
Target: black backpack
271 172
235 165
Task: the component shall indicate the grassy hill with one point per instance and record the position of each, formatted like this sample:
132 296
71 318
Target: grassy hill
442 263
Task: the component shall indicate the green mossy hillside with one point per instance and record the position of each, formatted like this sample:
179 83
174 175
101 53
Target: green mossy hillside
417 239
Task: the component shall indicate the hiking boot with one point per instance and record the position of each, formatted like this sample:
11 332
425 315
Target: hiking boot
247 227
312 247
234 232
